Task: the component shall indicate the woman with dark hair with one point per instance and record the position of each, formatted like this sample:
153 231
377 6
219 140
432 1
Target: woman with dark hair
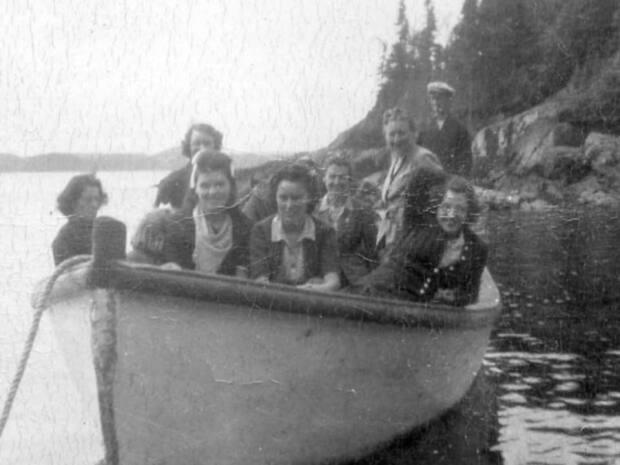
209 233
439 257
79 201
292 246
172 189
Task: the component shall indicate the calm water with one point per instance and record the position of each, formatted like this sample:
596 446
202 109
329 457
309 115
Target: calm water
548 393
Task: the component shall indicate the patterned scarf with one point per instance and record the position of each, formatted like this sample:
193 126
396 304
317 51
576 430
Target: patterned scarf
211 247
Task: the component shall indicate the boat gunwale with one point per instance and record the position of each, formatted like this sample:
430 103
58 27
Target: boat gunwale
151 280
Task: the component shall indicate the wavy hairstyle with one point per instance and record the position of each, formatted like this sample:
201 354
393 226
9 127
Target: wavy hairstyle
425 192
296 173
460 185
207 162
67 200
200 127
398 114
338 159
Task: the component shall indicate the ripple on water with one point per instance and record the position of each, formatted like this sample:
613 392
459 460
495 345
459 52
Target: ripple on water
514 387
536 357
560 407
569 386
573 401
568 376
517 362
513 398
604 400
556 405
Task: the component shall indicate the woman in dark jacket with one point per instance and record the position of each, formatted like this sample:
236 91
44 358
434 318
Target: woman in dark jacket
439 257
208 234
293 247
79 201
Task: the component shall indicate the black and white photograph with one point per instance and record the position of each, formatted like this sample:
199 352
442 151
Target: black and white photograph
311 232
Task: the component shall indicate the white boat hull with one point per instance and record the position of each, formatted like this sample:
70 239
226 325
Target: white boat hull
204 382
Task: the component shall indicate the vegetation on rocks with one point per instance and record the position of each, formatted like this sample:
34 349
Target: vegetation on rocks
538 84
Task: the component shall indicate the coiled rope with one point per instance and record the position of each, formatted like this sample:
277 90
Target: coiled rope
40 307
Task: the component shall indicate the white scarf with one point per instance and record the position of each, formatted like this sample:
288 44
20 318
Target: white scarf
210 247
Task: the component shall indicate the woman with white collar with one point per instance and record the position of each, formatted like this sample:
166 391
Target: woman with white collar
210 234
293 247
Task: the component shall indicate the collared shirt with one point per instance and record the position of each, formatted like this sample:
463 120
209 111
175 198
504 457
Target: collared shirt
395 167
293 259
391 206
330 215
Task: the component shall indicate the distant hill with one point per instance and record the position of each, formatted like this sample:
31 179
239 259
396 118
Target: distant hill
84 162
10 162
172 158
169 159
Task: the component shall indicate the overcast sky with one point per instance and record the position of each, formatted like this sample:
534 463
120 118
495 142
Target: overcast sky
131 75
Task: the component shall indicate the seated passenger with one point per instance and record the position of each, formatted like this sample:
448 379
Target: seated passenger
79 201
292 247
367 195
355 225
439 257
148 243
209 233
260 203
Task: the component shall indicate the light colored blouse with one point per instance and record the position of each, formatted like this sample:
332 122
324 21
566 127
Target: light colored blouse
293 260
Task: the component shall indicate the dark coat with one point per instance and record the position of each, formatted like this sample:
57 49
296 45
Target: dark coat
180 243
74 238
356 236
172 189
320 255
411 271
260 203
452 144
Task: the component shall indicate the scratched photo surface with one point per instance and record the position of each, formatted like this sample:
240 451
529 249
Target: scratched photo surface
111 89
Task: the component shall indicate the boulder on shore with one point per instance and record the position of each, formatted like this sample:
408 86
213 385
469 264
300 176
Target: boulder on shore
535 157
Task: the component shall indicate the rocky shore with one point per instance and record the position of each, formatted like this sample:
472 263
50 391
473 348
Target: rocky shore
534 161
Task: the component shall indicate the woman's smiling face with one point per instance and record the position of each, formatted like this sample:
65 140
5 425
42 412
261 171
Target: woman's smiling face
213 190
89 202
452 212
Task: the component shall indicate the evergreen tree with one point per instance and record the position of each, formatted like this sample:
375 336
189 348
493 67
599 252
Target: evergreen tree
462 55
508 55
423 44
398 63
424 67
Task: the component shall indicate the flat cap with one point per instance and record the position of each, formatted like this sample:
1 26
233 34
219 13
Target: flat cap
440 87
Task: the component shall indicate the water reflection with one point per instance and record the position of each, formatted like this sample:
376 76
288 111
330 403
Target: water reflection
549 388
554 355
465 435
559 254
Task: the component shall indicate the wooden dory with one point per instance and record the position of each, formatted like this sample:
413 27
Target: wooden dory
193 369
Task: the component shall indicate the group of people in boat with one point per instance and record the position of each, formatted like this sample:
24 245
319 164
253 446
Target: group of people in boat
401 232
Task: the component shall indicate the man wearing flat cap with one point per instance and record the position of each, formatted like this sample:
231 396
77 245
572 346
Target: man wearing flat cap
445 135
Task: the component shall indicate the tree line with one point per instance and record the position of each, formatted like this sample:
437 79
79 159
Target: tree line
505 56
